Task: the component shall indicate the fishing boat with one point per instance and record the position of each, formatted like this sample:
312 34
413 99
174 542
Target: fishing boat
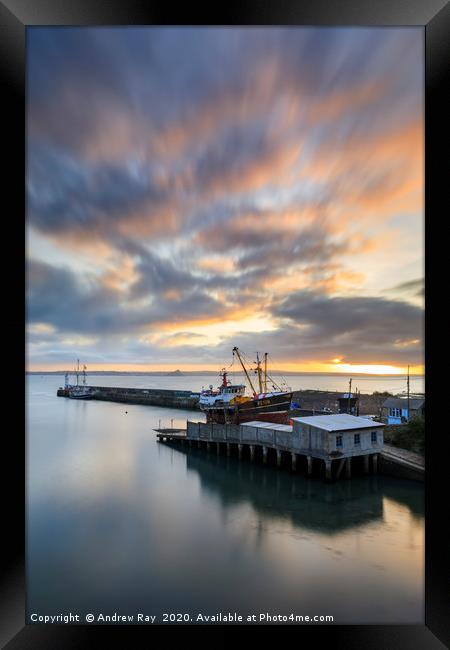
229 403
79 391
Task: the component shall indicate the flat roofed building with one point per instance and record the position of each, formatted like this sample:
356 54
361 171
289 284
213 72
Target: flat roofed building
259 424
338 435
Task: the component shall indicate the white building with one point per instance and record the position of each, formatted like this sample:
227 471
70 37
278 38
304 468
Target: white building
339 435
332 439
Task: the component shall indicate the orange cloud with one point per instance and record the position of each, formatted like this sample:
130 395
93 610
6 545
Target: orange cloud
121 276
374 175
216 264
339 102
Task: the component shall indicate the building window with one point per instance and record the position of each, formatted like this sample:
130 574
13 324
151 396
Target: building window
395 412
357 439
374 436
338 441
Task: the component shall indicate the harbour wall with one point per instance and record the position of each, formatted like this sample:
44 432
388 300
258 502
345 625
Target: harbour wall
182 399
394 467
395 461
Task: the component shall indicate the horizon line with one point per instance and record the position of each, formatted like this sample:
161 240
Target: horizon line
205 371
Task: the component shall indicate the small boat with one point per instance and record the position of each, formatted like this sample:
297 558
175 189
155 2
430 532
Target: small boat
79 391
229 403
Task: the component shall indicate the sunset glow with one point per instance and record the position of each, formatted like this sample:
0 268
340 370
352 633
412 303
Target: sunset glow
193 189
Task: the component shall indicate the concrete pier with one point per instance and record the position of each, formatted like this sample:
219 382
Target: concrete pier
334 463
182 399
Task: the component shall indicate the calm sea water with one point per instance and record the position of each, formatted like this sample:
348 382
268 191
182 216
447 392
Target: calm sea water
117 523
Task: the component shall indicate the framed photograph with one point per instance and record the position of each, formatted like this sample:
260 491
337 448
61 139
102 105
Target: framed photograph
226 224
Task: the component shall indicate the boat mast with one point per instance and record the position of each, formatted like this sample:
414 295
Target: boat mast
84 375
407 384
258 370
78 369
245 369
224 374
265 372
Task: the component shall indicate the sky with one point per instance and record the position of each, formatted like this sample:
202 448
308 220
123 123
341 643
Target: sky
194 189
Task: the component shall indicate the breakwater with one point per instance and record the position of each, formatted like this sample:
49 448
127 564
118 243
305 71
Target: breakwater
182 399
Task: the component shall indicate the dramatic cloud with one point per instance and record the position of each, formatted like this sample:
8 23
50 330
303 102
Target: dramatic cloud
191 188
359 330
416 287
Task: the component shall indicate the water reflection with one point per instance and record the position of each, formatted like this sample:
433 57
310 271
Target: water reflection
118 522
307 503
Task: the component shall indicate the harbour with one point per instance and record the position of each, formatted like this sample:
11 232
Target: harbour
225 293
278 420
174 515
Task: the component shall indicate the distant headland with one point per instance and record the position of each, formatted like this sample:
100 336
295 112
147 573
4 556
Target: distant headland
212 373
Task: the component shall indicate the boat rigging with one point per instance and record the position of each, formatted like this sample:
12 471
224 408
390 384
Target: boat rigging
230 404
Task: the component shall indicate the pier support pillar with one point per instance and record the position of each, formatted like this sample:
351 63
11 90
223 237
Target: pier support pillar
309 459
293 461
199 444
348 467
264 449
228 449
218 448
240 451
340 468
208 446
366 464
328 470
190 443
252 452
278 458
375 463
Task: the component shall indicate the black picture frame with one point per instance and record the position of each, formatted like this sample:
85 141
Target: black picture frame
434 17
